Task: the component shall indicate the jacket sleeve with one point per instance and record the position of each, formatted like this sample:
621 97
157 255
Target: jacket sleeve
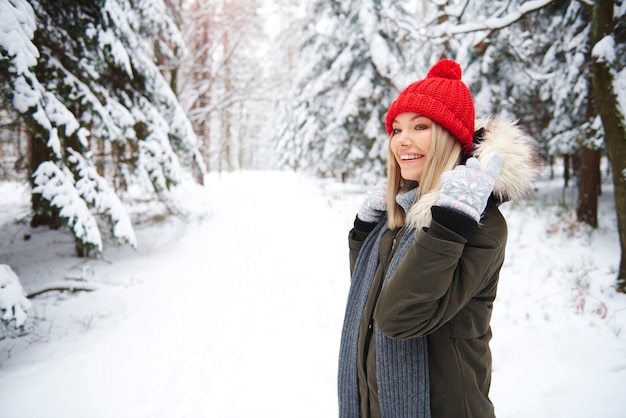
356 237
439 276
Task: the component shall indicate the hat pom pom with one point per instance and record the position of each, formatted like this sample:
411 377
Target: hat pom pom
446 69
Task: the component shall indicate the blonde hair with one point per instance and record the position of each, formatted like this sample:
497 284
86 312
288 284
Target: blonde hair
445 153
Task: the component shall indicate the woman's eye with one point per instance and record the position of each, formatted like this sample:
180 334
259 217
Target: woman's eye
421 127
395 131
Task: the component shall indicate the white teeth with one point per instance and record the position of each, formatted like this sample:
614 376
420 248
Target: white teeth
410 156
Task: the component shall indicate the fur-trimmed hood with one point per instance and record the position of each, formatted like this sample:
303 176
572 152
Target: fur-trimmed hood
521 167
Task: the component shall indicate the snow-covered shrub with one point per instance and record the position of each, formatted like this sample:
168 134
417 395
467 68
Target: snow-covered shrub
13 302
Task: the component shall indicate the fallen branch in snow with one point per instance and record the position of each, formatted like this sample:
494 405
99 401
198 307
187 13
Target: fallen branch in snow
71 286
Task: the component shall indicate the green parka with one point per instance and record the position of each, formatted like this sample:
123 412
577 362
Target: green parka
444 289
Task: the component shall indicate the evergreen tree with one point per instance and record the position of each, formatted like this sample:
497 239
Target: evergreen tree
356 57
494 41
567 74
97 109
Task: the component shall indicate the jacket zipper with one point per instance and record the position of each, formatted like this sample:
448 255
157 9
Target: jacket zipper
393 245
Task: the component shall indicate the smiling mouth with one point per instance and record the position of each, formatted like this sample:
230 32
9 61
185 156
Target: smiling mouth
409 157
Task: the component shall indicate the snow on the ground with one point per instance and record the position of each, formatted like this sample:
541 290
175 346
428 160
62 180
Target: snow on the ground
234 307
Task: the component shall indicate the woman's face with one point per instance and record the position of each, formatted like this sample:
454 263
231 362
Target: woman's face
410 143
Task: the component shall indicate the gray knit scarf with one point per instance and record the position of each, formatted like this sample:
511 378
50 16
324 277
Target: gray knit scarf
401 365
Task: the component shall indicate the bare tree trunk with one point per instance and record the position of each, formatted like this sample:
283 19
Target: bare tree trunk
566 169
589 176
588 187
613 123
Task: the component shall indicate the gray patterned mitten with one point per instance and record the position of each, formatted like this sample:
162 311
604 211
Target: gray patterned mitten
374 204
467 188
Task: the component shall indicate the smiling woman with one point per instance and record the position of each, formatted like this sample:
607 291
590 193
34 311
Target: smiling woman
417 329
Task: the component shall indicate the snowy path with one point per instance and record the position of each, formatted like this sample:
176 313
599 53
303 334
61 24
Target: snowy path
237 318
237 312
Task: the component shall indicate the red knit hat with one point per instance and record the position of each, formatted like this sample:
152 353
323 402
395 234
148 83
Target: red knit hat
442 97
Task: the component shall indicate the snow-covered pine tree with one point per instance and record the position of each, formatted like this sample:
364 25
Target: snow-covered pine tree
575 128
567 79
85 81
355 58
487 39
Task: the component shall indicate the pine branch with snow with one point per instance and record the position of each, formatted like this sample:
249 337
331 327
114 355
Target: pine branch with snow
96 192
56 185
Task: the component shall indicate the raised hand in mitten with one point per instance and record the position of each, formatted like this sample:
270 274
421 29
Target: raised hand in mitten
467 188
374 204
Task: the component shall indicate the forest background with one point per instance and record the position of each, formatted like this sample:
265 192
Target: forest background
104 101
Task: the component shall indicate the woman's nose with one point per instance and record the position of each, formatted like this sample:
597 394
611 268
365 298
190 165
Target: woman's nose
403 138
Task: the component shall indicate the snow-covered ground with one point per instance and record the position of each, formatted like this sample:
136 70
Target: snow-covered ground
234 308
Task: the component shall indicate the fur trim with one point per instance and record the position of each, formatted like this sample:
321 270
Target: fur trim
419 215
521 167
